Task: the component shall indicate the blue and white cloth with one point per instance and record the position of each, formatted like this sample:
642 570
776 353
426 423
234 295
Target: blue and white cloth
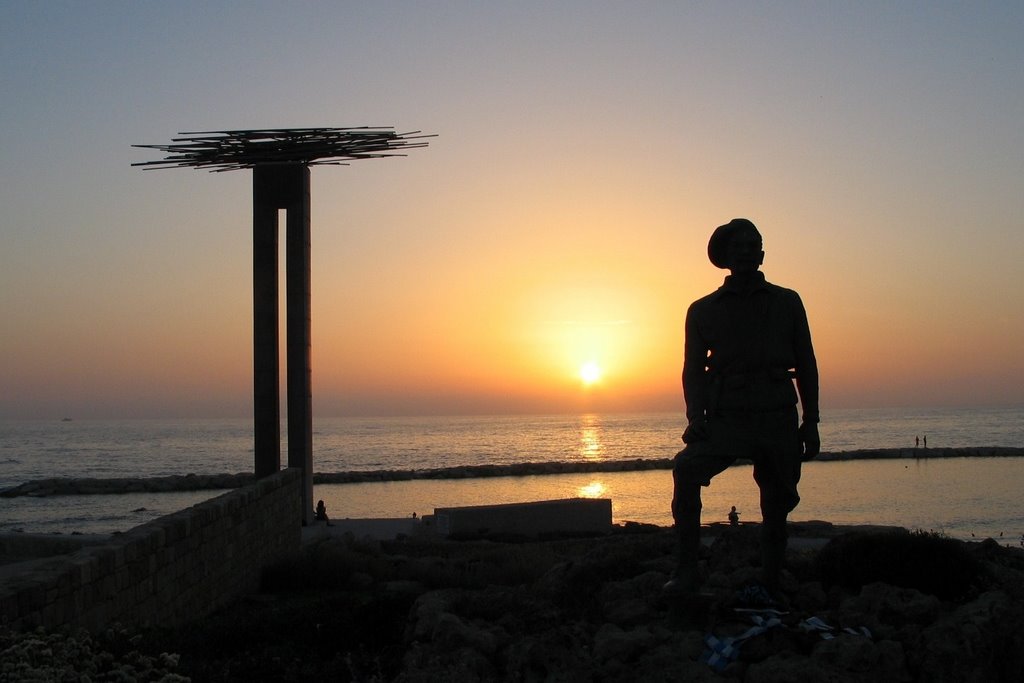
815 624
721 652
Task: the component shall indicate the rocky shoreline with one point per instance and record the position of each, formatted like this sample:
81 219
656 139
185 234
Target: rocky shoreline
66 486
871 604
861 604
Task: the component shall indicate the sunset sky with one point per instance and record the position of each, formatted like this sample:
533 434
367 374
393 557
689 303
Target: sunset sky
584 153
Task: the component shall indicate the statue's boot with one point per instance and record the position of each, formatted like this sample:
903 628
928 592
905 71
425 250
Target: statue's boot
685 579
773 554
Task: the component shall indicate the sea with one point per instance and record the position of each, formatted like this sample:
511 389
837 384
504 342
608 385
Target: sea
972 497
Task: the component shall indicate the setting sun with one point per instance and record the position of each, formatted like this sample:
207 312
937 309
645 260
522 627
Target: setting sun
590 373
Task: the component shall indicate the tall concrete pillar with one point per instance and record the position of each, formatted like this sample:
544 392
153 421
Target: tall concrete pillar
300 373
285 187
266 347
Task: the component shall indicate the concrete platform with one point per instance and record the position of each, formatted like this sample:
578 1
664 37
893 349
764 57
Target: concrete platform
570 515
567 516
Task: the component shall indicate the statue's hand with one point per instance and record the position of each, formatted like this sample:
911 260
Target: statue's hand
810 440
696 431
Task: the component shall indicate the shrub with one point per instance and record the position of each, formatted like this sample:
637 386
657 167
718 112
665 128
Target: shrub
926 561
43 655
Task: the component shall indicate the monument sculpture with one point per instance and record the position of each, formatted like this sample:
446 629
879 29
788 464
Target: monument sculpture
748 369
280 161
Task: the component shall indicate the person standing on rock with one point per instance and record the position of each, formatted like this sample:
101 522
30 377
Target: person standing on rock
734 517
745 345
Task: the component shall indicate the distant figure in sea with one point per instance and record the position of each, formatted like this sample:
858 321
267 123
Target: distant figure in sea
926 441
917 441
745 345
734 517
321 512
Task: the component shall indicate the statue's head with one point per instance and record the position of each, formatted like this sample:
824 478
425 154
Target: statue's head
736 246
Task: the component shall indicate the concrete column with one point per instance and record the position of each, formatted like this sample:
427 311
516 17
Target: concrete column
282 187
266 370
299 333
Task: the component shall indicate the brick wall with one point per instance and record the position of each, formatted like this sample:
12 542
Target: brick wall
168 571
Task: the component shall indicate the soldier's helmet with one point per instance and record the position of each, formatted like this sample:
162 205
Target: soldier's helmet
718 245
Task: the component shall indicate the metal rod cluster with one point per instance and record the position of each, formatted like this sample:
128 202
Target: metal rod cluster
228 150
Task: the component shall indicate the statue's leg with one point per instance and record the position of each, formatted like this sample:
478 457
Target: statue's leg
774 539
694 467
777 472
686 506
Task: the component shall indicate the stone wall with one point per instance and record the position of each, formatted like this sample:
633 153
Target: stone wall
168 571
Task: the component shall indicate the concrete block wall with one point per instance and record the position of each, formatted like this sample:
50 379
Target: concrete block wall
168 571
569 515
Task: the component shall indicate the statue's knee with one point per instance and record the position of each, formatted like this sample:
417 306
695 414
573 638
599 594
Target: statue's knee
686 498
773 527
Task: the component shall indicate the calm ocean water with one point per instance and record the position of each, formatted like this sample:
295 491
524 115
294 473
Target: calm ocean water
957 496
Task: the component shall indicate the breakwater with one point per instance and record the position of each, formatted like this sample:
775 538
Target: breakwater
58 486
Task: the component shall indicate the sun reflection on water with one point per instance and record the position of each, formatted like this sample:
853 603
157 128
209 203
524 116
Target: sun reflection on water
591 446
594 489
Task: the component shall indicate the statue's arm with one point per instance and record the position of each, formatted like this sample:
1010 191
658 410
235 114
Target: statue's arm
695 358
807 383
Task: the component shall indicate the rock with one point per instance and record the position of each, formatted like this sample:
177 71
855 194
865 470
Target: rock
810 598
771 643
451 632
670 662
628 612
860 655
592 610
629 603
402 587
979 641
425 614
882 608
892 664
611 643
635 587
549 656
736 548
425 665
64 486
789 667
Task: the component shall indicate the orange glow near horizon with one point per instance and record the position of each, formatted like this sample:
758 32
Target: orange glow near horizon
481 273
564 337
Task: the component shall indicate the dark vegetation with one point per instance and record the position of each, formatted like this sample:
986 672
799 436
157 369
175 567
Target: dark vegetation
928 562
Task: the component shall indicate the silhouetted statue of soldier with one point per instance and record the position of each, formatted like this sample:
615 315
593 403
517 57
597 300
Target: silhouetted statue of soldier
745 344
